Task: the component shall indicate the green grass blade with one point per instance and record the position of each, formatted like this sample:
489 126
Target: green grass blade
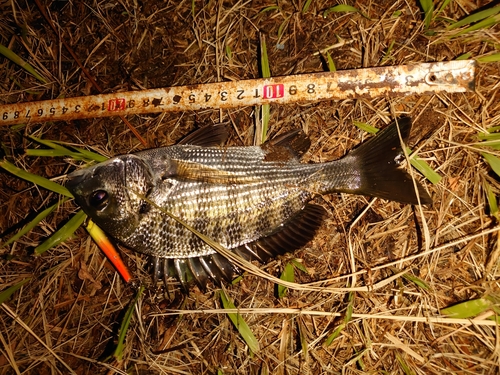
491 130
303 338
240 324
424 168
264 59
480 25
60 153
33 223
306 6
91 156
476 17
492 201
331 63
359 359
495 57
35 179
118 353
468 309
287 275
62 234
350 307
49 153
266 73
428 8
347 319
366 127
16 59
229 52
282 26
465 56
334 334
7 293
266 115
493 144
75 152
269 9
387 55
48 143
493 161
299 266
490 138
237 280
415 280
406 369
444 5
340 9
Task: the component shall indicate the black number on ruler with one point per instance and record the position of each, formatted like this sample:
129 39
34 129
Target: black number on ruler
223 96
292 90
240 94
40 112
310 88
5 116
192 98
207 97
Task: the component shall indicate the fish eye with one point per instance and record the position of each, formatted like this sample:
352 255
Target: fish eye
99 199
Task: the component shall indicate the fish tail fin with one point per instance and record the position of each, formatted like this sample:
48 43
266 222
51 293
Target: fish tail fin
373 168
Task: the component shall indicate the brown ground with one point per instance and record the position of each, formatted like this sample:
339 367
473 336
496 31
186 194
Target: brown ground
69 313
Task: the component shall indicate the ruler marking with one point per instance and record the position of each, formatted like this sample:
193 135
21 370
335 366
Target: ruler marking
425 78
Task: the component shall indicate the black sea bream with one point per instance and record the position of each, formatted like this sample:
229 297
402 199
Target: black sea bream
252 200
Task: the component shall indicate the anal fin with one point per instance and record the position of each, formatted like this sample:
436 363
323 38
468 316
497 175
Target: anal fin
292 235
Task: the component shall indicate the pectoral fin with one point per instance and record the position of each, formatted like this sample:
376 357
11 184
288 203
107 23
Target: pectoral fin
181 169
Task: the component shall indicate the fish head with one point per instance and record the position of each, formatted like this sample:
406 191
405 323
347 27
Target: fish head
114 193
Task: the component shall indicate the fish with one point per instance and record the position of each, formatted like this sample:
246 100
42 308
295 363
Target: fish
256 201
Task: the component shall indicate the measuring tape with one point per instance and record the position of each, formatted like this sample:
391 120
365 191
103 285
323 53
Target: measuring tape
424 78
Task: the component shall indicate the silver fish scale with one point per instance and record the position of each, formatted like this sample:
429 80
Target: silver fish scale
231 214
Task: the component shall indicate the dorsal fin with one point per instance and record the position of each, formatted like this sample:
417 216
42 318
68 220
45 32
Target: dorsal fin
208 136
291 145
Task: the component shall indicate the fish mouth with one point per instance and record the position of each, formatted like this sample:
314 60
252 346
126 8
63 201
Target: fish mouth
74 180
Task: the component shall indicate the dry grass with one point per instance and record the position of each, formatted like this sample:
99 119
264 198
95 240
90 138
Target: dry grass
67 317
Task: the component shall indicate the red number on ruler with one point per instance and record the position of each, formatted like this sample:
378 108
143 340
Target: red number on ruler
116 104
273 91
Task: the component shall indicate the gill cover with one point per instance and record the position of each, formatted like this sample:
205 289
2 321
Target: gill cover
112 192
